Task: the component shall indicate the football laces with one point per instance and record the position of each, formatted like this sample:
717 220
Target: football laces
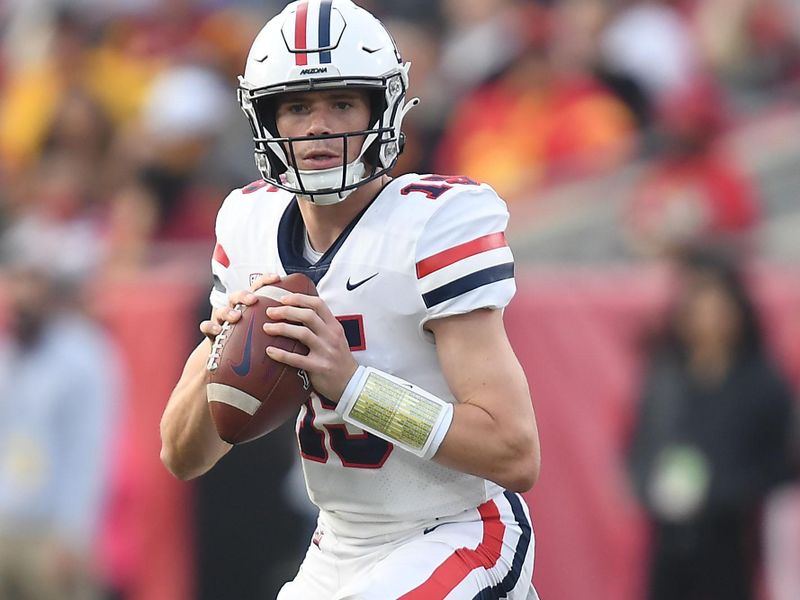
219 342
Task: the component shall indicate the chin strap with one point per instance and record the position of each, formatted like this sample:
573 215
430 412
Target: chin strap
326 179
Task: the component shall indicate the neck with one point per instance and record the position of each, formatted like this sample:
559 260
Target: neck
325 224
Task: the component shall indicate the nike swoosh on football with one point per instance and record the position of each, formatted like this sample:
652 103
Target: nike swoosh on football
352 286
243 368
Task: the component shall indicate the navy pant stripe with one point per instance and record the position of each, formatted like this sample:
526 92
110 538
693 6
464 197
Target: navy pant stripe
508 583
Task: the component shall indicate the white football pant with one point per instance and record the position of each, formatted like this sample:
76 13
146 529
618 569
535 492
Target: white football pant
482 554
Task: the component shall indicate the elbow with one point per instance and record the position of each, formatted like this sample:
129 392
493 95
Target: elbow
523 477
524 465
179 468
170 462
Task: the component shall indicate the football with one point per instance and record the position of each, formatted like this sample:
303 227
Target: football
249 394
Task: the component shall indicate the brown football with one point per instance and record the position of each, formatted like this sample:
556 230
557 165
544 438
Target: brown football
249 394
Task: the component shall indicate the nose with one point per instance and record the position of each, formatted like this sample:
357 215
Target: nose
319 122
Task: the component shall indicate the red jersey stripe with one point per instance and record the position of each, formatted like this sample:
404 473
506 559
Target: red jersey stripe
447 257
464 560
221 257
300 26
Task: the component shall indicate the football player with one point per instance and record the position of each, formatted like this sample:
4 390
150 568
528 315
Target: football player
421 433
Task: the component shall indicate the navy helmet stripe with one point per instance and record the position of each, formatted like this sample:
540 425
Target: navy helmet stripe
509 582
468 283
325 31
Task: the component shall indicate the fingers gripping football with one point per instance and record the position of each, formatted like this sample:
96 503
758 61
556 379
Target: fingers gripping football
308 319
250 394
230 314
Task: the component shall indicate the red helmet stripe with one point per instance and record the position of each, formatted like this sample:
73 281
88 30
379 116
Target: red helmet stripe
300 26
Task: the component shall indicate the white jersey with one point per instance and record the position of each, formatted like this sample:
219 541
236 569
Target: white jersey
426 247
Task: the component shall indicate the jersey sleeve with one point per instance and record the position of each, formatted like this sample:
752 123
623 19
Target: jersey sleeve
220 262
462 258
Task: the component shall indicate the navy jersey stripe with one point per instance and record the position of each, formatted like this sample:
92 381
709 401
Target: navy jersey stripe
468 283
292 236
325 31
501 589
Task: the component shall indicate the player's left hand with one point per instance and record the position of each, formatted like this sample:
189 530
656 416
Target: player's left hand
329 363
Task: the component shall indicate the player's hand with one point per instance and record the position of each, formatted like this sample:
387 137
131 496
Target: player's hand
329 363
219 316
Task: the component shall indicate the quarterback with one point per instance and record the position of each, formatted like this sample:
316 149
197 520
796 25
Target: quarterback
420 433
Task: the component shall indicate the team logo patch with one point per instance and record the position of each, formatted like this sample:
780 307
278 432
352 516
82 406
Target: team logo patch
254 277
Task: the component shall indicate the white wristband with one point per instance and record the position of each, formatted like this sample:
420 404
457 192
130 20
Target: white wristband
396 410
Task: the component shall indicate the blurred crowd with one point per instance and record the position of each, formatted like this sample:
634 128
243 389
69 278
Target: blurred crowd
120 133
120 115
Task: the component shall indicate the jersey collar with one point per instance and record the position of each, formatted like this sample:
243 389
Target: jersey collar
291 237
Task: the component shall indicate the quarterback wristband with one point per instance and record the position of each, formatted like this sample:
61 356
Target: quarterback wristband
395 410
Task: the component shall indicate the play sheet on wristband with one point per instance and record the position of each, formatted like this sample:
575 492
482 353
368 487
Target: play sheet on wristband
387 409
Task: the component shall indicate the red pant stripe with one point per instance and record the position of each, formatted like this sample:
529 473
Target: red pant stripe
464 560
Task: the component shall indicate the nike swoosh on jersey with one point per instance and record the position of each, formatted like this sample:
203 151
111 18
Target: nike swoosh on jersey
243 368
352 286
427 530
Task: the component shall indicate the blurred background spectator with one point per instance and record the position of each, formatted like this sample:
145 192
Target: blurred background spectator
58 410
694 191
712 439
542 114
619 131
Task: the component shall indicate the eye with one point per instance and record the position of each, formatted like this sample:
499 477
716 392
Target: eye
344 105
297 108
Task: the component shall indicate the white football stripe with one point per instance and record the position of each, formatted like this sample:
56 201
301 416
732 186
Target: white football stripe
273 292
461 268
219 392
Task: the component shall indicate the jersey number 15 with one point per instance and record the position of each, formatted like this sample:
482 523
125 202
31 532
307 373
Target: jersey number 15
355 450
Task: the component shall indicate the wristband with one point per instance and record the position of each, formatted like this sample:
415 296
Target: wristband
395 410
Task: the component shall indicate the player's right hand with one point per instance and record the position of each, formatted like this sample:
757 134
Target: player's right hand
219 316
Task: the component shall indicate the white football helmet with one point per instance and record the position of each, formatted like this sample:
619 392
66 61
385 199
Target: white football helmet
318 45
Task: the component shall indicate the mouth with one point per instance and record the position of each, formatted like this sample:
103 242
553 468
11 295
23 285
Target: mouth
320 159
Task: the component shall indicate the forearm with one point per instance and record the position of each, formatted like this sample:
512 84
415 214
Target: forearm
466 436
476 444
493 433
190 445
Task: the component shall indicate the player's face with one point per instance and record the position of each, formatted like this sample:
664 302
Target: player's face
319 113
